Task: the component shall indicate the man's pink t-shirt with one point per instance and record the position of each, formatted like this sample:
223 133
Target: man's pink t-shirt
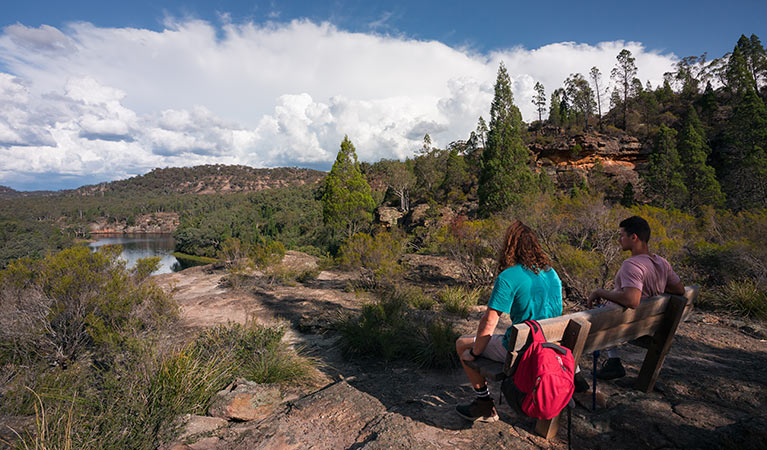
648 273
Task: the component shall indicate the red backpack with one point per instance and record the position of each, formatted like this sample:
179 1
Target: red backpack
544 376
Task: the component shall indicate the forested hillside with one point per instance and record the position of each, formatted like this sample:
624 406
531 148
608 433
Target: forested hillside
208 179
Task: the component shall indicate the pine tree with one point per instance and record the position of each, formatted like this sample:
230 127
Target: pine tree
737 74
482 132
745 158
581 96
627 199
347 202
539 100
505 175
456 177
708 104
750 56
596 78
623 73
554 114
664 177
699 178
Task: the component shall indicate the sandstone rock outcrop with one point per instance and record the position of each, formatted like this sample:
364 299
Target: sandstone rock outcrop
245 401
389 216
338 416
569 160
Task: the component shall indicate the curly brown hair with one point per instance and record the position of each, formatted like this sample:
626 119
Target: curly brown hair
520 246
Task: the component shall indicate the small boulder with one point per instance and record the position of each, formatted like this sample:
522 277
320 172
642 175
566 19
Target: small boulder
389 216
418 213
245 401
197 425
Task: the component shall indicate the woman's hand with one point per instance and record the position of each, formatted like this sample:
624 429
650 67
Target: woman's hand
466 355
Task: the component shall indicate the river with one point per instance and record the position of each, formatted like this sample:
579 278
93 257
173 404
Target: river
137 246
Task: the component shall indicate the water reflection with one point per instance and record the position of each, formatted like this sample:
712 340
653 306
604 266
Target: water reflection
137 246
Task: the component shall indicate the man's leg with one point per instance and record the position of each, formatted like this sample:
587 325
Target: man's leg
612 368
482 408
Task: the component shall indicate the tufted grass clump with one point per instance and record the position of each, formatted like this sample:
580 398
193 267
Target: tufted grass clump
742 297
391 329
257 353
435 345
377 331
414 296
459 300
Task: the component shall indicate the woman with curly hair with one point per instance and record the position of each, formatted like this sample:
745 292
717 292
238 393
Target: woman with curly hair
526 288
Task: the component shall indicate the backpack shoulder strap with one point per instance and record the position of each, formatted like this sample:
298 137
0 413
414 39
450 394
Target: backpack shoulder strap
536 330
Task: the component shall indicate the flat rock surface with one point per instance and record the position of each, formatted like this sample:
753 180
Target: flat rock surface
710 393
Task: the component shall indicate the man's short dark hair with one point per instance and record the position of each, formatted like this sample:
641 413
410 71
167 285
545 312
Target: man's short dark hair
637 225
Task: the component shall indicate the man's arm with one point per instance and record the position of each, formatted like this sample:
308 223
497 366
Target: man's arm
627 296
675 288
485 330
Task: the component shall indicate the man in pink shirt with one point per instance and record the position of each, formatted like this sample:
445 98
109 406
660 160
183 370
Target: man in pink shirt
641 276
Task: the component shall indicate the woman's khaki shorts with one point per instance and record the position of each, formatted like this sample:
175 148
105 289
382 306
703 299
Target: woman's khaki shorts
495 349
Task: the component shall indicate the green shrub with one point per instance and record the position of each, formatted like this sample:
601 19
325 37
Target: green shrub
133 403
307 275
78 330
267 254
77 302
377 257
458 300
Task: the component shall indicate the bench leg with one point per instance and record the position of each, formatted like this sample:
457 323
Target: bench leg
660 345
547 428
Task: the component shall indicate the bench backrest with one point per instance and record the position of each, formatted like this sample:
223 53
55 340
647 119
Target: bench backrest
609 326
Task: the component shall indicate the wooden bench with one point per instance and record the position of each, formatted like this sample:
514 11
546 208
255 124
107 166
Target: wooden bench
651 325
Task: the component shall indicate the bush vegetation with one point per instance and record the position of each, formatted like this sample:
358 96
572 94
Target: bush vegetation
79 350
376 256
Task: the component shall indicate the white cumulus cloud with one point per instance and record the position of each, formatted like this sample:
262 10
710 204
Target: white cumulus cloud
112 102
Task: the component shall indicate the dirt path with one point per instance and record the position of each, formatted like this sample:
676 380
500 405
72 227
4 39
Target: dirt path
711 391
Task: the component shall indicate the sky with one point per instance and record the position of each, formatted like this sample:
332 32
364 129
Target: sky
94 91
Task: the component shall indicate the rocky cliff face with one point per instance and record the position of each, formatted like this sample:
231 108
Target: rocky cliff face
571 159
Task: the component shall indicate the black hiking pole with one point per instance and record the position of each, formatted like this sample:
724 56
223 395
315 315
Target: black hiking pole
594 381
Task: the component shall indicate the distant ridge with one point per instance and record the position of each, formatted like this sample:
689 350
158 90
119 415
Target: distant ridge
206 179
7 192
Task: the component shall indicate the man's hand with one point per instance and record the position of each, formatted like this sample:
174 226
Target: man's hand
466 355
594 298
